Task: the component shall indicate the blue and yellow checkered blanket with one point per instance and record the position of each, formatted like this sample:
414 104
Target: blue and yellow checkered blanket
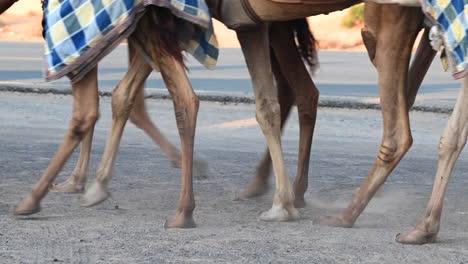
79 33
452 18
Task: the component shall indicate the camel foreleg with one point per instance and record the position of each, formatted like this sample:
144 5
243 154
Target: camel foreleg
425 54
395 37
84 116
77 180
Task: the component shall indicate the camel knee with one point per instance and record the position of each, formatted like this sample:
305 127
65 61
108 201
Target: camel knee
449 144
81 124
190 105
122 103
186 112
307 106
268 113
394 152
139 119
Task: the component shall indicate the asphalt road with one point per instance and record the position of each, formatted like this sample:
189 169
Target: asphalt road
128 227
345 76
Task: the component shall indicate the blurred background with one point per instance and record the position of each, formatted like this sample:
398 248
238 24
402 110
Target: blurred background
22 23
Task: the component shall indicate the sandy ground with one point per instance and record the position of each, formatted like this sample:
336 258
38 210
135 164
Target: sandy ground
128 227
22 23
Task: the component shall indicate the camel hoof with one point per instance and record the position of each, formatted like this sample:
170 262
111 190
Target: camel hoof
200 169
94 195
279 214
415 237
67 187
299 203
334 221
181 220
28 206
252 191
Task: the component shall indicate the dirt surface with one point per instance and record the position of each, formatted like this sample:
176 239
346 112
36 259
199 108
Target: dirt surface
128 227
22 23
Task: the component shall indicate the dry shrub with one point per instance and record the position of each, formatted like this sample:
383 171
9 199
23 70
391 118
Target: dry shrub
355 16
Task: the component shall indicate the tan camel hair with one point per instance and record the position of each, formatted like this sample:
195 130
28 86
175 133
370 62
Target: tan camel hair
391 59
397 138
451 144
99 193
85 114
395 105
390 55
141 119
267 113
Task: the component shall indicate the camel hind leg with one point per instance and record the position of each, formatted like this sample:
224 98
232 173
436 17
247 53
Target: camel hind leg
293 87
306 96
259 185
255 46
141 119
451 144
185 104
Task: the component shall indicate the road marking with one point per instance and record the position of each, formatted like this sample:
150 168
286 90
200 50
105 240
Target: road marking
21 58
237 123
12 82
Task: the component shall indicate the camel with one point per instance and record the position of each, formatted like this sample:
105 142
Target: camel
253 36
140 118
283 208
395 105
391 59
84 122
166 56
390 55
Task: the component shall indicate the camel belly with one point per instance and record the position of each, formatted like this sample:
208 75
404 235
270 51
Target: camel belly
398 2
242 14
283 10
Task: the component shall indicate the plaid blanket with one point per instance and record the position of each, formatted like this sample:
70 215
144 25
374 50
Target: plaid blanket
79 33
452 18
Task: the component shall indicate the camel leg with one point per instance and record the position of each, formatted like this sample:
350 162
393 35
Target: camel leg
186 105
77 180
255 46
141 119
451 144
259 185
123 99
290 89
392 60
84 116
306 97
425 54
